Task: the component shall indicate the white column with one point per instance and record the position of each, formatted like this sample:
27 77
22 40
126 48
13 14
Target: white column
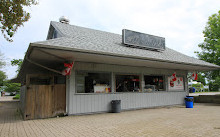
70 90
112 82
142 82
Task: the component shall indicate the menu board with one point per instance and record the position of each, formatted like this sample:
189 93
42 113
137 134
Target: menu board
175 85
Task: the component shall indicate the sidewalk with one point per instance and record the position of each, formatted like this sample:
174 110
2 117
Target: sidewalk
204 93
201 121
7 98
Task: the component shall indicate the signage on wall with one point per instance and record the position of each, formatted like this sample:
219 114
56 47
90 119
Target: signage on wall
141 40
175 85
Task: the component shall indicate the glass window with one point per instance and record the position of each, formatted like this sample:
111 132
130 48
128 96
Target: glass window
54 34
154 83
127 83
90 82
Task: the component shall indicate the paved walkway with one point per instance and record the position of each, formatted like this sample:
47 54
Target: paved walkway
7 98
204 93
203 120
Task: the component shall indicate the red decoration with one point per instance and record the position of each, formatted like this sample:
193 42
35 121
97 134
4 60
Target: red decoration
173 77
194 76
69 66
135 79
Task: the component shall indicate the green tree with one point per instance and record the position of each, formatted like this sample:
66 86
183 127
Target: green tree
12 87
13 15
211 48
18 63
2 63
2 78
201 78
214 84
2 74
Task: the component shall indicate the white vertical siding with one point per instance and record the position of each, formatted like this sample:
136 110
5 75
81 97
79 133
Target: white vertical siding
91 103
101 102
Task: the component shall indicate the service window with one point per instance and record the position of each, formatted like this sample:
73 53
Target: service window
153 83
90 82
127 83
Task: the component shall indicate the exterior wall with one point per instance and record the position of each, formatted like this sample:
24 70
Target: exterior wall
100 102
22 99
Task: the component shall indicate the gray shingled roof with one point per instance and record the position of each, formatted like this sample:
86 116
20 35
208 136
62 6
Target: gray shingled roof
84 39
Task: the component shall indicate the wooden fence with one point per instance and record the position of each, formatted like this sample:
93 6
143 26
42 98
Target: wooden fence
43 101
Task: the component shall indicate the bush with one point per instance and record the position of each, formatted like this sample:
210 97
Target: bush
17 96
198 87
215 84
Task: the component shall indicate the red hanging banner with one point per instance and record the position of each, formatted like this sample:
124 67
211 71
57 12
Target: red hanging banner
194 76
68 69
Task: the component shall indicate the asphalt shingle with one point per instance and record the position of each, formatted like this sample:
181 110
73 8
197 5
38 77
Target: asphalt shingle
95 41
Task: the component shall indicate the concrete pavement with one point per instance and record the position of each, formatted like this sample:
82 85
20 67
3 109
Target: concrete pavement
204 93
7 98
201 121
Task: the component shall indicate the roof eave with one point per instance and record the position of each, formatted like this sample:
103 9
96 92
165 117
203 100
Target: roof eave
203 67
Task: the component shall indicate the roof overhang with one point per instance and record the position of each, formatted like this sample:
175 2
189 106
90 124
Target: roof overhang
54 57
49 54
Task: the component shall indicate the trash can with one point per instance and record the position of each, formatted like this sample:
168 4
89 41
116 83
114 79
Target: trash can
194 90
116 106
189 101
191 90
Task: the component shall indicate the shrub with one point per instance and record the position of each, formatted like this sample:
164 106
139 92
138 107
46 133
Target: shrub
198 87
17 96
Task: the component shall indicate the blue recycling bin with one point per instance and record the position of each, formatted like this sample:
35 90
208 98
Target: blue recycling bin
189 101
194 90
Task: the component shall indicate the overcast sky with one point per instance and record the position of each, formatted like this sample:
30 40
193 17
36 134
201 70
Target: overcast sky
181 22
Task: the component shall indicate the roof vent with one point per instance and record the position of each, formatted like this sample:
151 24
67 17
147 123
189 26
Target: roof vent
64 19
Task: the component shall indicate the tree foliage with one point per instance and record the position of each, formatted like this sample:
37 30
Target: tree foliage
12 87
2 78
201 78
2 63
214 85
18 63
13 15
211 45
2 74
211 49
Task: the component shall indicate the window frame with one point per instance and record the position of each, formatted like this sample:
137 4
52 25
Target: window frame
127 74
83 71
156 75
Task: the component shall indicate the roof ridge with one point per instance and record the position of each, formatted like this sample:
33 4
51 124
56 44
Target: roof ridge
84 28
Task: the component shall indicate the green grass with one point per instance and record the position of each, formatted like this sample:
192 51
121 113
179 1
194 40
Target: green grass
17 96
